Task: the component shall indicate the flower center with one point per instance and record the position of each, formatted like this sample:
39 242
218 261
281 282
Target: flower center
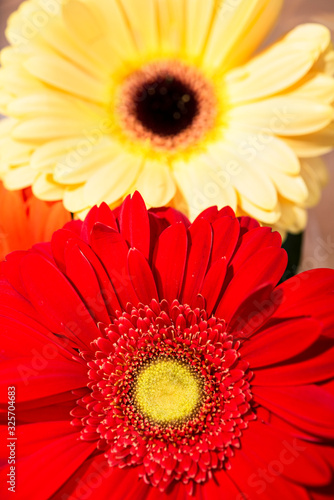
166 104
167 391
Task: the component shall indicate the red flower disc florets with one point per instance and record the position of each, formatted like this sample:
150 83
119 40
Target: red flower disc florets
187 449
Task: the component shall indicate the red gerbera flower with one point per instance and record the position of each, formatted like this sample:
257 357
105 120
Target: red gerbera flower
155 359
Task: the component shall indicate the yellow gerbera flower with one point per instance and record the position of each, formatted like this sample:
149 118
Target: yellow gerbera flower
107 96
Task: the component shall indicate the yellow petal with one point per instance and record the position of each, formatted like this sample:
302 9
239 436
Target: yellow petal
55 104
232 22
18 81
277 68
260 147
156 183
201 187
5 99
253 36
326 62
315 87
314 186
249 180
47 155
10 56
82 21
111 39
46 189
74 199
12 153
111 182
143 24
47 128
6 126
171 18
316 167
55 71
313 145
16 153
284 115
263 216
292 187
310 34
26 24
198 19
82 214
87 57
19 178
83 161
293 218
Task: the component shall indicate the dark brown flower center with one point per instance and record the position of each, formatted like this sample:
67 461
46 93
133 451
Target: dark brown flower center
166 105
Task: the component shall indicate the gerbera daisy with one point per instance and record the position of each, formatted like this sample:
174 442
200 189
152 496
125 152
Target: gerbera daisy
25 220
154 359
167 97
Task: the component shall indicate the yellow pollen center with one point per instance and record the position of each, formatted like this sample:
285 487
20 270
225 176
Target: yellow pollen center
167 391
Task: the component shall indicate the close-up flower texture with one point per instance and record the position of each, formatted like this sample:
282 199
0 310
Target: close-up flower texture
157 359
173 98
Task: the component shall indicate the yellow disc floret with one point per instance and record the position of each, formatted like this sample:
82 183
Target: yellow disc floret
167 391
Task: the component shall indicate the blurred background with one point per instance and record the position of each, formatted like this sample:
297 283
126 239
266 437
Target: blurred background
318 247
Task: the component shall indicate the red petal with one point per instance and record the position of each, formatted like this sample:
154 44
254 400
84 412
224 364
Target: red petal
169 261
283 454
170 216
309 293
253 312
141 277
19 332
58 243
266 266
226 211
104 215
309 408
225 237
111 302
83 277
13 300
253 241
97 481
37 376
213 284
112 250
258 483
134 224
53 459
51 294
35 406
298 372
10 269
57 411
209 214
221 483
74 226
281 342
247 224
200 244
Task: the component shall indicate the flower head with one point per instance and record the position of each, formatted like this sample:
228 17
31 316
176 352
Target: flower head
106 97
25 220
157 359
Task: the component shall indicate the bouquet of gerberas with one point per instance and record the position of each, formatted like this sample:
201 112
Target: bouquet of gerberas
152 159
